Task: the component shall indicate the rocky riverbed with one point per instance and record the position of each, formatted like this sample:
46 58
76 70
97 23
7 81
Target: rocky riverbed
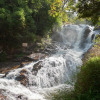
20 62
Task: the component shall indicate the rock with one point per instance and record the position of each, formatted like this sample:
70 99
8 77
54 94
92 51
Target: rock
27 59
92 37
37 66
5 74
22 78
19 78
2 96
21 65
35 73
35 56
84 39
86 32
23 71
2 75
19 59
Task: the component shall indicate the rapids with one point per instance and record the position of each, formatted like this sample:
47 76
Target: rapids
57 72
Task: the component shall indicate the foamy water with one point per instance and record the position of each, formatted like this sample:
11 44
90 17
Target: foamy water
57 72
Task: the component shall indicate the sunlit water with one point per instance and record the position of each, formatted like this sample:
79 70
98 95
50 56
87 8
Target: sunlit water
58 71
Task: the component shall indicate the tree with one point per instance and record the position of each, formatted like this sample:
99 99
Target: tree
59 9
89 9
15 19
22 20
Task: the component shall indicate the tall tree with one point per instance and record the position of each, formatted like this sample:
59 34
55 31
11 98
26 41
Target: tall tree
22 20
59 8
89 9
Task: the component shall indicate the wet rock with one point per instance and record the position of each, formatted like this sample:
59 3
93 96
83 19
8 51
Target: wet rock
35 56
27 59
84 39
86 32
37 66
20 96
34 73
21 65
92 37
19 78
22 78
23 71
2 75
2 96
6 74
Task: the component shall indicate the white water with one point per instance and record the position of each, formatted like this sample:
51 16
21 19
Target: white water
57 72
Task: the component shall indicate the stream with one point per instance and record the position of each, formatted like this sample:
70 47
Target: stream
56 72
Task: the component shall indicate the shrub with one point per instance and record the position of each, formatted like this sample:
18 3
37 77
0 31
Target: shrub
88 82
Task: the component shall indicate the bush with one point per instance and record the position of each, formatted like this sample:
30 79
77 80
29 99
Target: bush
88 82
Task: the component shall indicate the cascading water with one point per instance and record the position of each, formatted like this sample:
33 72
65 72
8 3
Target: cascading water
57 71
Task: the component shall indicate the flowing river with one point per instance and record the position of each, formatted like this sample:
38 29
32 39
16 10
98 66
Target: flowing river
57 72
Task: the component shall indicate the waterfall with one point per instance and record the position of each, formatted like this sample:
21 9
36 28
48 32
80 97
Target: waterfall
57 71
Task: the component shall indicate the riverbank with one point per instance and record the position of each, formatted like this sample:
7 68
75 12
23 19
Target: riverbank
24 56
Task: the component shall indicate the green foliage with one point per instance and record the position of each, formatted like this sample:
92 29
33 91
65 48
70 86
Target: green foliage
88 82
59 9
77 20
23 20
89 9
97 40
14 23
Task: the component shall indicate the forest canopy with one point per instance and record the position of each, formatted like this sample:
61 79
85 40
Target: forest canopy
22 20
